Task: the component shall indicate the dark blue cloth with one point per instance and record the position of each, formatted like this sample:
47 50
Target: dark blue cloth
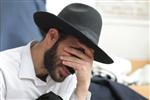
17 26
49 96
103 89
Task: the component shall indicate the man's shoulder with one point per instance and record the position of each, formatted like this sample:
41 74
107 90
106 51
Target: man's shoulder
10 53
10 57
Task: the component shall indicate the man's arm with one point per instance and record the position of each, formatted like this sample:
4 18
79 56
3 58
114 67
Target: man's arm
2 86
74 96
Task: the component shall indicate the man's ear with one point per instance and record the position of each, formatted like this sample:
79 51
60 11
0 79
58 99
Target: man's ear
51 37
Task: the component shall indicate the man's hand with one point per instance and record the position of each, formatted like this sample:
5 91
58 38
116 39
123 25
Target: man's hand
82 63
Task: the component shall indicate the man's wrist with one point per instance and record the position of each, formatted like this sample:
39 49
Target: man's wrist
81 93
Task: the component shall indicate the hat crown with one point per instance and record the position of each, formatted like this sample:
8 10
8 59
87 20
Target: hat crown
84 18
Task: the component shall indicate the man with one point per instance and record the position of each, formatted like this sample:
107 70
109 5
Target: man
17 26
61 62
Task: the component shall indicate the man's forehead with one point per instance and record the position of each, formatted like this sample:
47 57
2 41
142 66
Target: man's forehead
72 40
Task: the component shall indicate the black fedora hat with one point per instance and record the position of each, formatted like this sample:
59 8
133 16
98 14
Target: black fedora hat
79 20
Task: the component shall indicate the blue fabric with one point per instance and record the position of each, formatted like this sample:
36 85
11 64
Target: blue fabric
103 89
17 26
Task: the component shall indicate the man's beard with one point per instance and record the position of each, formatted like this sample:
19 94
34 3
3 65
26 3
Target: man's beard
52 62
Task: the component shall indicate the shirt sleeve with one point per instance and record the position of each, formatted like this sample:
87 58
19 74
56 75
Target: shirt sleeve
74 97
2 87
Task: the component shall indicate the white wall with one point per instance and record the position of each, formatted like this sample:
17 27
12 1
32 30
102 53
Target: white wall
128 39
55 6
149 36
149 31
125 31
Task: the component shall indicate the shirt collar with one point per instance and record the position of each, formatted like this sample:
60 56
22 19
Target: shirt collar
27 70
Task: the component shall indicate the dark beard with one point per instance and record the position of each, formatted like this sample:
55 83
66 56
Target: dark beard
51 61
50 57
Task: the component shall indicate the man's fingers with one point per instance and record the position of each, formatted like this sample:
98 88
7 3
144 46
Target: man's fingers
76 53
72 65
71 58
75 63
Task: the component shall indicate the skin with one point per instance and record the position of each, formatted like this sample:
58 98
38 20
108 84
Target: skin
66 55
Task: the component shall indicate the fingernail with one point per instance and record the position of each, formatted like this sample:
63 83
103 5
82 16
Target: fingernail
61 57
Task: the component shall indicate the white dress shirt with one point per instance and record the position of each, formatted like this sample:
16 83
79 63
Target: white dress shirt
18 80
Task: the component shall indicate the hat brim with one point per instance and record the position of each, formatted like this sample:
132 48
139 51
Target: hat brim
45 21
